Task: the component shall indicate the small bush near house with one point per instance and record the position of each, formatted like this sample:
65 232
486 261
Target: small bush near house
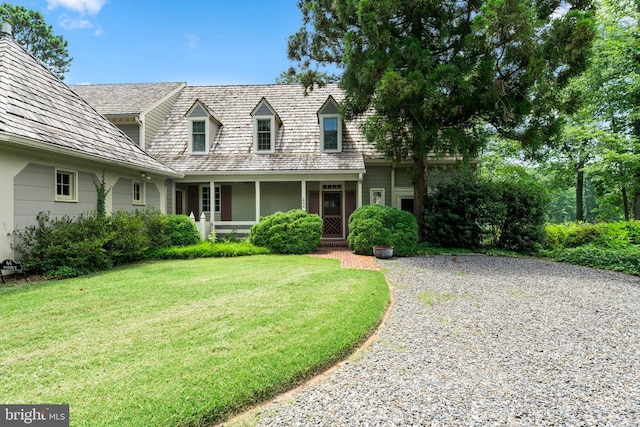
64 247
127 237
372 225
181 231
293 232
470 213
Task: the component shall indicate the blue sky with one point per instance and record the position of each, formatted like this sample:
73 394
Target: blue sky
201 42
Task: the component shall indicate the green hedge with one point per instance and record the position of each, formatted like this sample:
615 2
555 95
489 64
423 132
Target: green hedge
575 234
372 225
293 232
470 213
71 246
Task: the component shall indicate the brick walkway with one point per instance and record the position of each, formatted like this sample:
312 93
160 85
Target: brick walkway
347 258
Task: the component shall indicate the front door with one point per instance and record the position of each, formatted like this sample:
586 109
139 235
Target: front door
332 214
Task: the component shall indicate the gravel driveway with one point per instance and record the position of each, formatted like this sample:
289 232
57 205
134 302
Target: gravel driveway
476 340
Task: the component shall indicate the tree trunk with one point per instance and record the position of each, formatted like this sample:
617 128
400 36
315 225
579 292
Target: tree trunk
579 196
419 193
625 203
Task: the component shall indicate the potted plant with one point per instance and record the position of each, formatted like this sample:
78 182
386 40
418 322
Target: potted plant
383 251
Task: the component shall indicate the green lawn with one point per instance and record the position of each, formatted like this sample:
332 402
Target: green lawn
174 343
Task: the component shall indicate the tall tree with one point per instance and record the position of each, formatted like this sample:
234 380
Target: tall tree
441 75
614 81
33 33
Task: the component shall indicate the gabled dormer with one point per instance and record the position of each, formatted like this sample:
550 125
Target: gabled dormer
330 122
203 125
266 124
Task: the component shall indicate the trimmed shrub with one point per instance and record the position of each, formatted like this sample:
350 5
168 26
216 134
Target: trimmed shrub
64 247
181 231
470 213
155 223
293 232
127 237
372 225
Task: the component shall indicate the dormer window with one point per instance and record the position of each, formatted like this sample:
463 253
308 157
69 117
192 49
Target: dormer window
198 136
330 127
264 134
203 125
265 127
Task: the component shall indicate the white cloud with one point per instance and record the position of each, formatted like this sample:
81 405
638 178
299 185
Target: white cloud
192 41
90 7
74 24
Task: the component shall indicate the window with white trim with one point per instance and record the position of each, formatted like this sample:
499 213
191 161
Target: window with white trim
331 133
138 193
205 198
263 129
217 198
377 196
198 136
66 186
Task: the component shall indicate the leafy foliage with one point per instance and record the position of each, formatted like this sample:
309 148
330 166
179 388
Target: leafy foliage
626 260
64 247
181 231
293 232
469 212
32 32
372 225
208 250
613 235
610 246
440 75
69 247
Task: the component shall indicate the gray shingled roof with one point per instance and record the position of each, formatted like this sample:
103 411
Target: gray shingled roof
124 99
36 105
297 143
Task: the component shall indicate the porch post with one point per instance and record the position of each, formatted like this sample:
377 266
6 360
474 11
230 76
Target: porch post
393 187
359 192
303 191
257 201
212 207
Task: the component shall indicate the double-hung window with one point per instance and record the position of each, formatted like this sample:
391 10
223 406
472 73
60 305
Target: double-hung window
330 133
138 193
66 186
206 198
264 134
198 137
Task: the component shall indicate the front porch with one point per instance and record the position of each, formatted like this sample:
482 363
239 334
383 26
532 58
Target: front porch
226 207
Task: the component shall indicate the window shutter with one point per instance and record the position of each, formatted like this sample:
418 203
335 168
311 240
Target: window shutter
225 203
314 202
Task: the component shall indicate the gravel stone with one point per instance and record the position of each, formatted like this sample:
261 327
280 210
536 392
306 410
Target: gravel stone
478 340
